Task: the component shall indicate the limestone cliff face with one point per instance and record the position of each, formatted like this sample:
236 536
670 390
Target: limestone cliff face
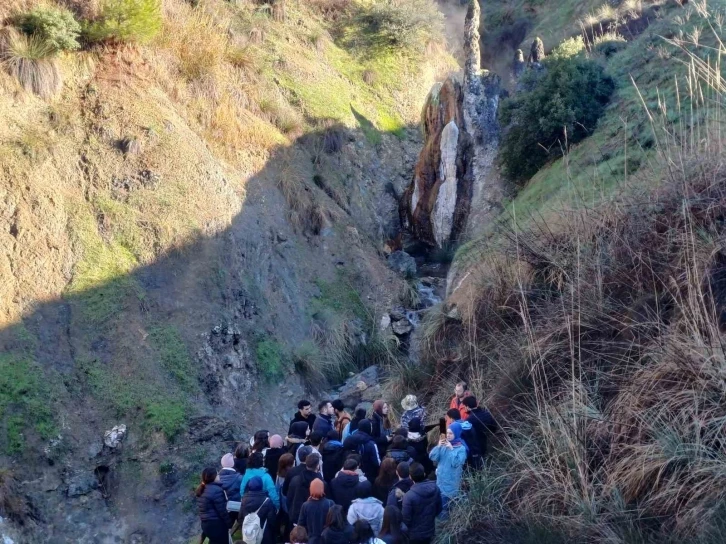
454 173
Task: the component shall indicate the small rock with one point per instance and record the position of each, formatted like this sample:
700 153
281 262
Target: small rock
385 322
114 437
130 146
95 448
281 237
402 327
397 314
403 263
82 484
453 313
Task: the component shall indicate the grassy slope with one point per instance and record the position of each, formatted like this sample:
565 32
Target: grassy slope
210 103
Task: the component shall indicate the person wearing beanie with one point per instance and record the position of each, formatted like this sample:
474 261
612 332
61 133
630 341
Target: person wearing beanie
332 453
299 490
342 418
255 499
255 468
450 457
273 454
411 409
315 511
230 480
362 443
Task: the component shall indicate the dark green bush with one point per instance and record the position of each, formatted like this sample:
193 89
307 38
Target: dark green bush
397 25
567 97
56 27
126 21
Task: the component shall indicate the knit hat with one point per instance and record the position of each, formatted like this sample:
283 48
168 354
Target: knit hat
365 426
227 460
317 489
276 441
303 453
409 402
414 425
254 484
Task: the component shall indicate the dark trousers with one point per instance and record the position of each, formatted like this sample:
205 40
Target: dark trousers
216 531
421 541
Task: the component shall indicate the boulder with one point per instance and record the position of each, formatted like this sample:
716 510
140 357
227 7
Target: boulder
113 438
402 327
385 322
205 428
82 484
360 387
403 263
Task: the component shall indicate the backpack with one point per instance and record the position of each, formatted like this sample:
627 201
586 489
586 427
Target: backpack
252 530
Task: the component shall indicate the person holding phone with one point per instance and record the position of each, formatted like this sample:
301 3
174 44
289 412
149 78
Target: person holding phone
450 457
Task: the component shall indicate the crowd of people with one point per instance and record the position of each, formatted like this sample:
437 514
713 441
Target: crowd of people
342 479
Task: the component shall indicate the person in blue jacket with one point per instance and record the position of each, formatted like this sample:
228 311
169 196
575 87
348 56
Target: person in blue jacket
450 457
255 468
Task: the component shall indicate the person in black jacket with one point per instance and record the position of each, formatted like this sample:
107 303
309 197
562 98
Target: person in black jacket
300 486
358 416
212 507
474 459
421 505
337 529
347 485
273 454
399 450
333 454
482 422
295 471
393 530
418 440
314 512
297 437
256 500
304 414
387 477
401 487
230 480
362 443
241 454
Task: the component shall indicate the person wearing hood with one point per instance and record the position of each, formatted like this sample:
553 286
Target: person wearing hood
273 454
298 436
470 439
304 414
342 418
368 508
421 504
230 480
362 443
256 499
212 507
360 415
419 441
255 468
337 529
450 458
401 487
411 409
347 485
381 430
324 419
332 453
314 512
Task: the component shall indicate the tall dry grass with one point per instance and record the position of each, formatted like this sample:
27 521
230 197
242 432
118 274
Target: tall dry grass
599 343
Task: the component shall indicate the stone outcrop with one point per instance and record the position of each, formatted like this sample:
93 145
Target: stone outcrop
460 130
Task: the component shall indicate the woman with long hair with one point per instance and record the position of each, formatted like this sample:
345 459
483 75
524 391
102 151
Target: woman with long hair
381 426
337 529
363 533
284 465
387 477
241 454
212 507
260 442
393 530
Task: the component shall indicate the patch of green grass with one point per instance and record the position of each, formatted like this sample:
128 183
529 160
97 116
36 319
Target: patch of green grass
174 355
270 358
166 415
341 297
25 402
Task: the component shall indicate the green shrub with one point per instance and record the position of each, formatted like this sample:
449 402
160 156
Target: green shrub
126 21
167 416
569 48
270 358
55 26
397 25
563 104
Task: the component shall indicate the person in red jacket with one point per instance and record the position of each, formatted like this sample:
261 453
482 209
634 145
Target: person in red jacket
460 393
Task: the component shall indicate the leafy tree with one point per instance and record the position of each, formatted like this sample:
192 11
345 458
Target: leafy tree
126 21
56 27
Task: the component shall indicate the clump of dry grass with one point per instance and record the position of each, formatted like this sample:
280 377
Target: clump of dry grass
31 60
14 505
